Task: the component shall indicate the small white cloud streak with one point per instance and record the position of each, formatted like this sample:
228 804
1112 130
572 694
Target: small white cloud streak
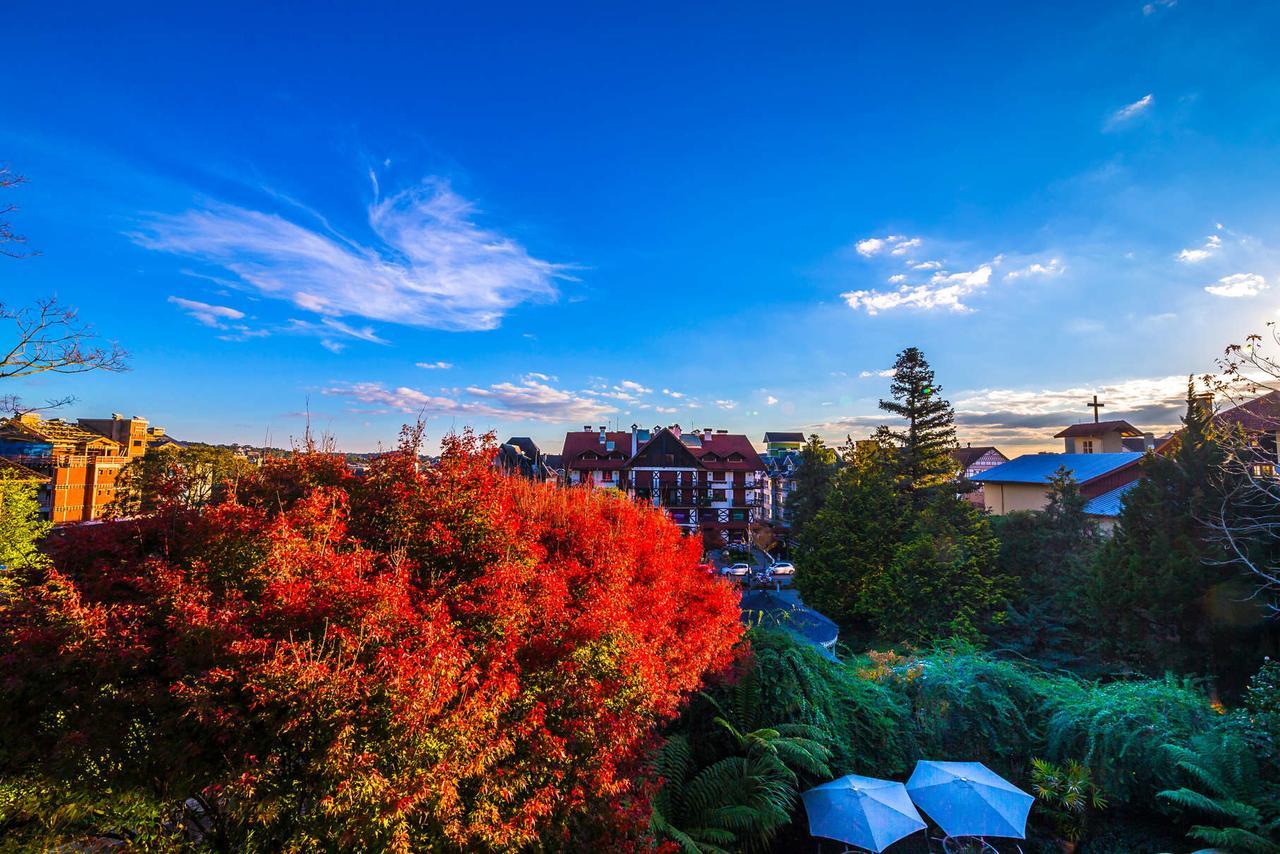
434 366
1212 244
213 316
1238 285
1130 111
1054 267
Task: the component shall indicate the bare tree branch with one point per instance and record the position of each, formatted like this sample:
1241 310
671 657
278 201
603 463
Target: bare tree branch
9 179
51 338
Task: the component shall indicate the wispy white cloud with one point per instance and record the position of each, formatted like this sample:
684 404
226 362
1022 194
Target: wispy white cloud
676 394
634 387
430 266
1212 244
943 290
927 265
213 316
905 245
897 244
887 372
1053 267
434 366
527 400
897 278
770 400
1238 285
1156 5
1130 111
727 404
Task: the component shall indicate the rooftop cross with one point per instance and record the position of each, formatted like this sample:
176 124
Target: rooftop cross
1095 406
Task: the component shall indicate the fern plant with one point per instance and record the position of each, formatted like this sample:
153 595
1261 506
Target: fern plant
1225 787
744 790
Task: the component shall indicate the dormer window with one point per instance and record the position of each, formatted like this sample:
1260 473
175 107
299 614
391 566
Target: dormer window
1086 446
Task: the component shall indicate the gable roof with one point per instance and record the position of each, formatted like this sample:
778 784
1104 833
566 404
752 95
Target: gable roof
668 443
1038 468
1260 415
1109 503
526 445
783 437
967 456
1092 428
580 442
9 470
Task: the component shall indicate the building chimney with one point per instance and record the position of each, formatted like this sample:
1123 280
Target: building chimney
586 428
1149 441
675 430
602 429
706 434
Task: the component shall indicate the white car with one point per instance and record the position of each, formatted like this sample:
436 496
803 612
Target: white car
737 570
782 569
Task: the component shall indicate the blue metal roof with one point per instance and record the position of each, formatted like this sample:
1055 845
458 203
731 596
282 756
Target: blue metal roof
1109 503
1038 468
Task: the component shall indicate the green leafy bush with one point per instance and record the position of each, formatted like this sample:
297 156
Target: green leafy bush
1119 729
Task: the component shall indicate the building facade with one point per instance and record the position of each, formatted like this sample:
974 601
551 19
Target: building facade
135 435
81 465
782 461
973 462
709 482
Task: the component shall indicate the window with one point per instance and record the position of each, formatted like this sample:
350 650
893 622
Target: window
1086 446
717 495
606 476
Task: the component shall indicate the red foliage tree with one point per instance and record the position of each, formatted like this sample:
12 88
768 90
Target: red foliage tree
425 657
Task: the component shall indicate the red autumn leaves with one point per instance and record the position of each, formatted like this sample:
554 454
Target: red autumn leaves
421 657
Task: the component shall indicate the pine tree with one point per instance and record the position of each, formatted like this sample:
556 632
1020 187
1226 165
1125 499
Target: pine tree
813 481
925 445
1149 583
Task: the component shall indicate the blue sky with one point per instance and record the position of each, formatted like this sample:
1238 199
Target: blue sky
530 217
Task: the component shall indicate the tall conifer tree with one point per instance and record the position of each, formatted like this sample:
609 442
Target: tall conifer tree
925 444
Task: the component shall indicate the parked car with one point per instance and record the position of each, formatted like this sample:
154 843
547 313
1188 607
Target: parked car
707 567
782 569
736 570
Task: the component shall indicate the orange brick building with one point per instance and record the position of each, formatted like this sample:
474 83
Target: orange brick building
81 465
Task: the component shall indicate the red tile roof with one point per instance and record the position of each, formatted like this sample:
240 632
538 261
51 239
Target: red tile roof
1097 429
713 452
581 442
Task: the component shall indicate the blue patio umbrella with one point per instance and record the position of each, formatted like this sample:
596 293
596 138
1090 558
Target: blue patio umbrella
862 811
969 799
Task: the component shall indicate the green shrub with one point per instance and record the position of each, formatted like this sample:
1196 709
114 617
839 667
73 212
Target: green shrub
868 722
966 705
1119 729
